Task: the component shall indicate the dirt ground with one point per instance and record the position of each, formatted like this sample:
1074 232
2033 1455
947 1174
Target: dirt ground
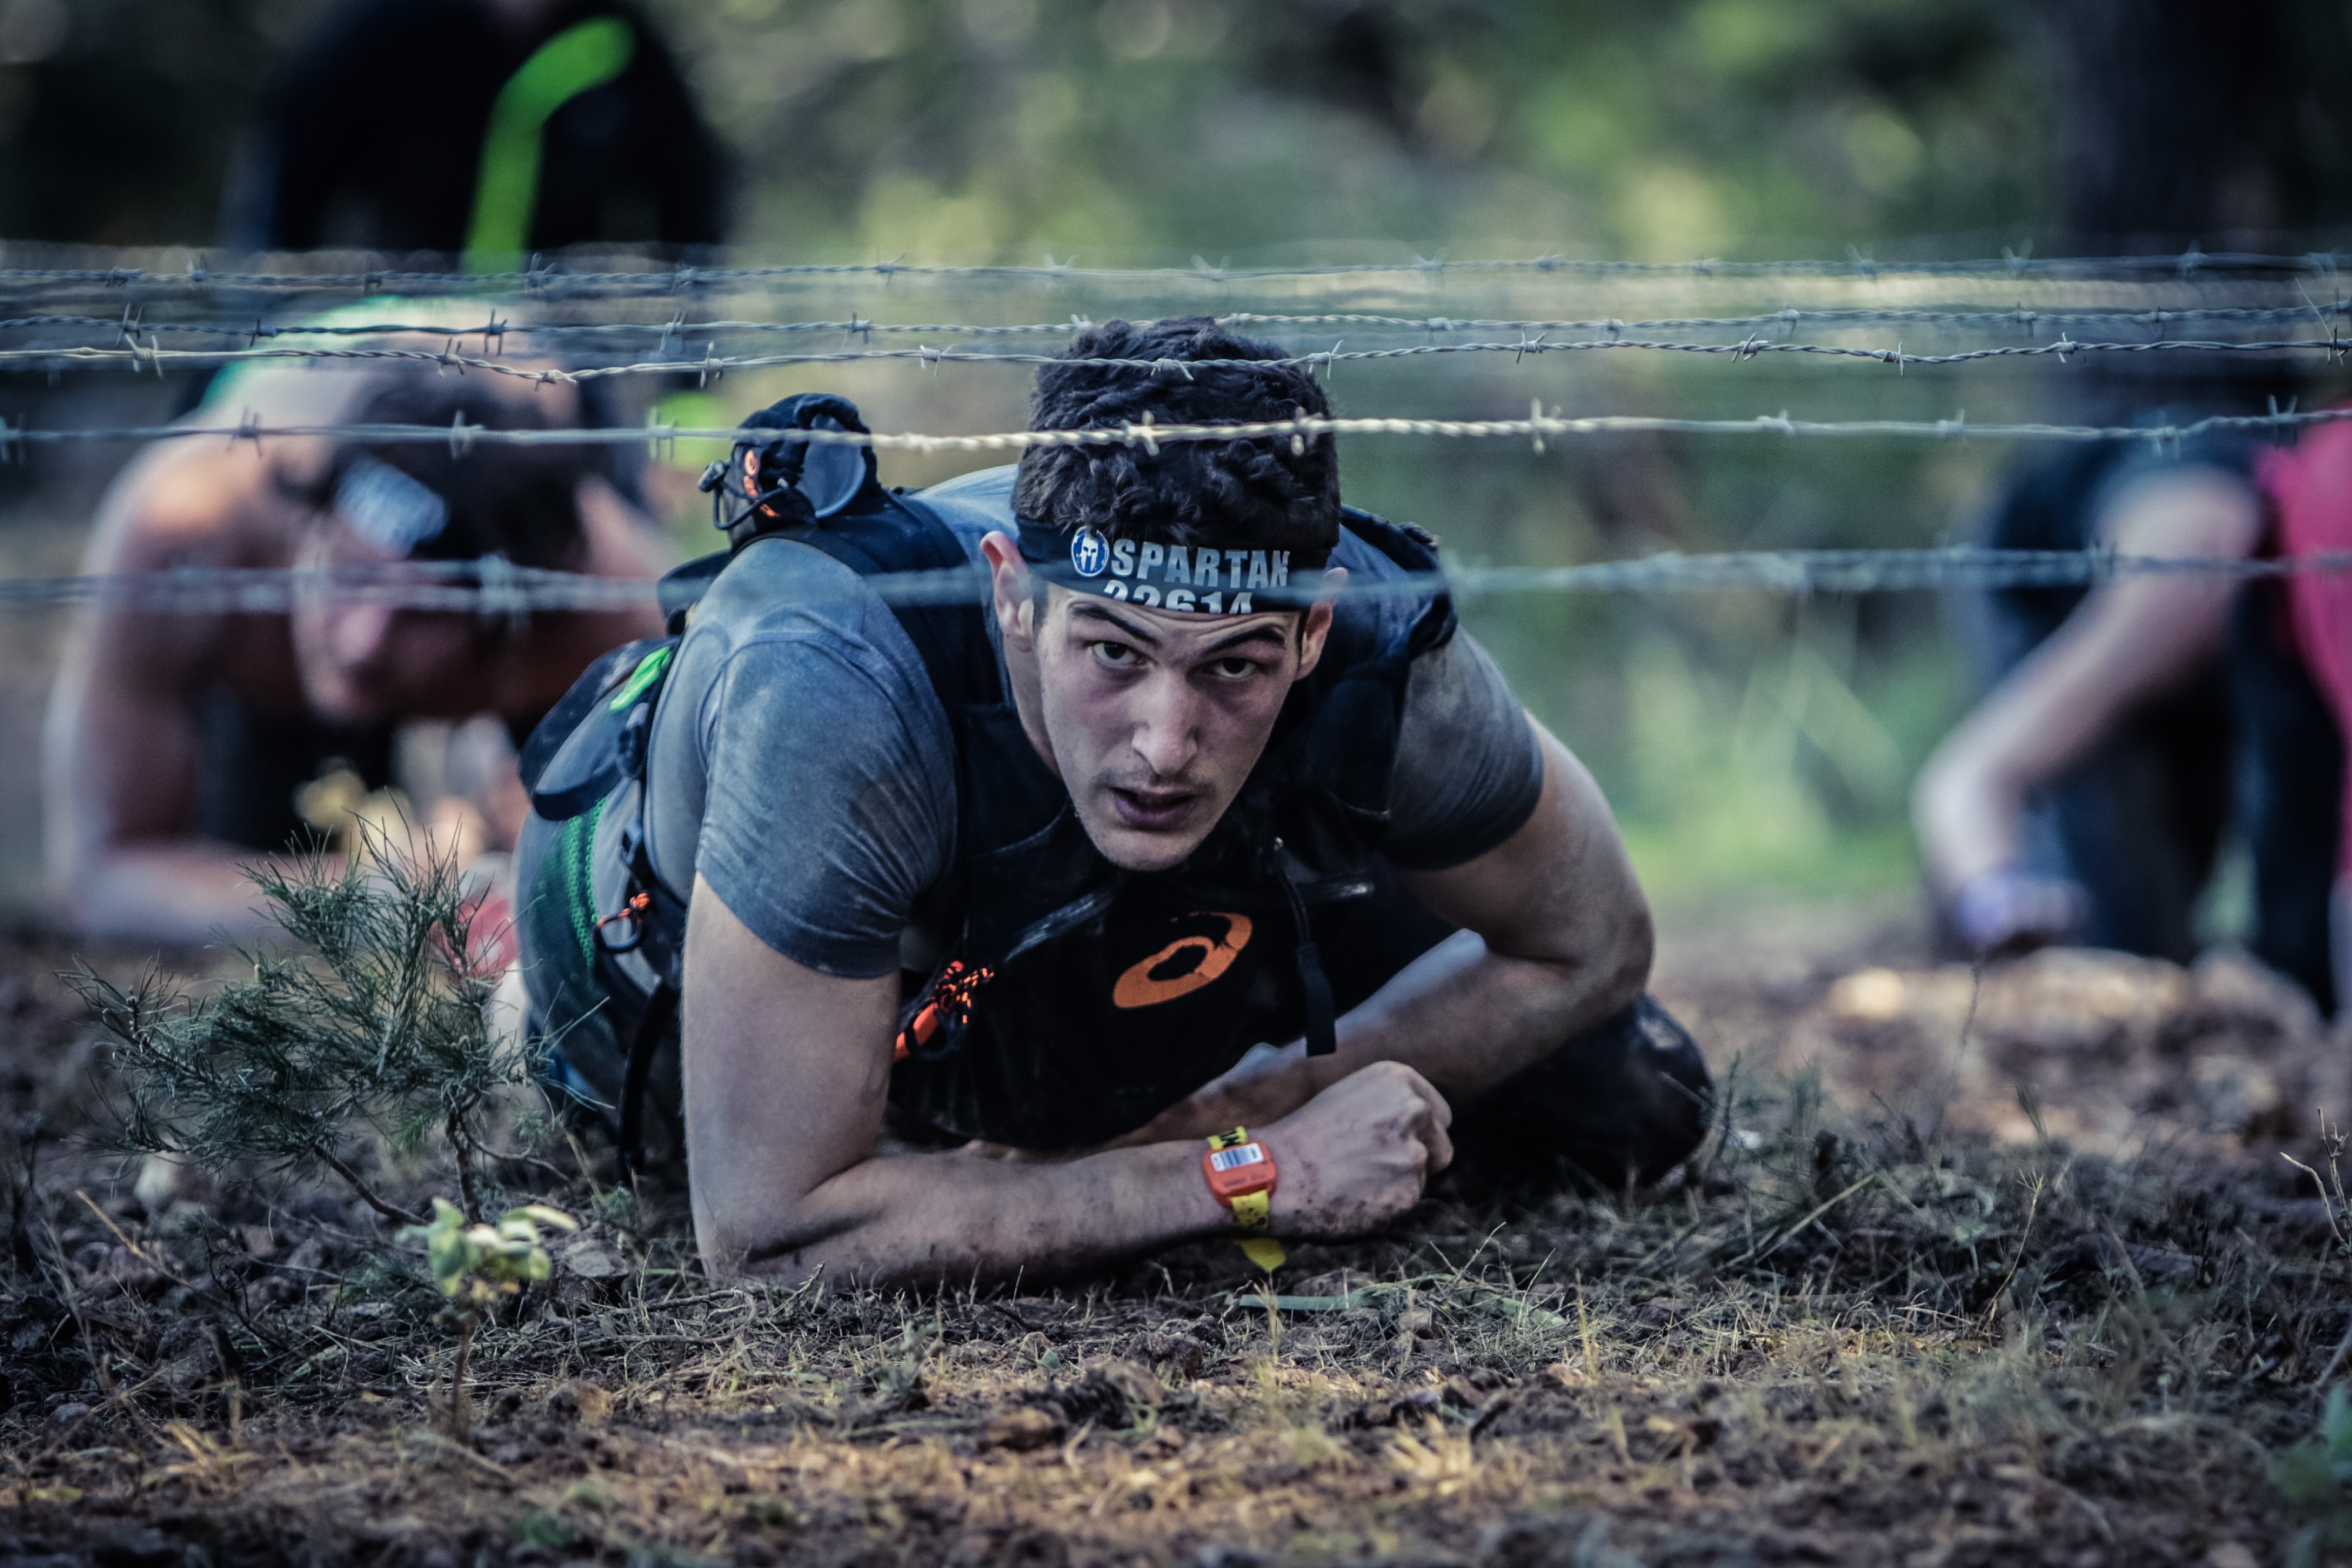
2001 1267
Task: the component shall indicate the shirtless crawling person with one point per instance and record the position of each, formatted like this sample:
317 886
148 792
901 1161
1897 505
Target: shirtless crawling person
176 743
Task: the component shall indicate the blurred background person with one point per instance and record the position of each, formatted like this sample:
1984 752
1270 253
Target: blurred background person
2130 727
182 747
495 128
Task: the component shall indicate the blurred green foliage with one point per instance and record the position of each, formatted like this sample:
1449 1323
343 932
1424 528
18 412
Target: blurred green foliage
987 128
1748 740
980 129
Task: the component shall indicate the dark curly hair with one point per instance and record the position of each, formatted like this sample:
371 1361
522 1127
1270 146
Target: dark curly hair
1191 491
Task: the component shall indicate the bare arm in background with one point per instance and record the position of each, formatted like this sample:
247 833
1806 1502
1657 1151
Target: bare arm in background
120 747
2129 641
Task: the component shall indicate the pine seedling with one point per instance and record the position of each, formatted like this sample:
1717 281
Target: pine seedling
375 1023
479 1266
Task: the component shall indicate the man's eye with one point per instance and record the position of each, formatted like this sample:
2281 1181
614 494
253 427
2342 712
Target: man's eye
1117 655
1236 669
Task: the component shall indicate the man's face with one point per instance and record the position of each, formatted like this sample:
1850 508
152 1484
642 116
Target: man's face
362 662
1152 718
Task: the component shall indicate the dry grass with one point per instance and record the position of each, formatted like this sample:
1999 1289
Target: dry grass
1867 1339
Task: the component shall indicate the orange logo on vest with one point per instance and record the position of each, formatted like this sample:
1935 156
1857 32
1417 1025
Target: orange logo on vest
1183 966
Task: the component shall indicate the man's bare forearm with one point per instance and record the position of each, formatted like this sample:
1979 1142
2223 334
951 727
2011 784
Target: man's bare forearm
952 1218
1467 1017
1464 1017
1566 943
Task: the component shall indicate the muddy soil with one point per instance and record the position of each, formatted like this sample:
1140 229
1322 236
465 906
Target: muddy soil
2001 1267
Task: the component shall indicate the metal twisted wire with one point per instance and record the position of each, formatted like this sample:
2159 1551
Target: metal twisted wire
549 280
1536 428
141 358
494 588
131 323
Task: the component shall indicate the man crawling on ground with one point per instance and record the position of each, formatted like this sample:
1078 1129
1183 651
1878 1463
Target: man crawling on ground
1208 881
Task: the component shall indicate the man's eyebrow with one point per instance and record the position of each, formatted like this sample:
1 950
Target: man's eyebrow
1275 631
1096 612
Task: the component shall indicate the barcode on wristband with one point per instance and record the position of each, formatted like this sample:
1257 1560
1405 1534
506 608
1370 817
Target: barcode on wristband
1247 1154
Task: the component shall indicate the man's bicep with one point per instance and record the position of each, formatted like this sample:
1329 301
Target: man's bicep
1468 771
786 1068
2137 635
123 742
1560 888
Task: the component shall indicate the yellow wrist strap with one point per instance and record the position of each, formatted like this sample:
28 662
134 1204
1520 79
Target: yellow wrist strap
1252 1212
1265 1251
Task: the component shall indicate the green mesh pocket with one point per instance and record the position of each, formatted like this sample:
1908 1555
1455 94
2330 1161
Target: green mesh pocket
561 906
568 865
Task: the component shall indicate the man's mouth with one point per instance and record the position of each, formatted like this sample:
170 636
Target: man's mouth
1153 810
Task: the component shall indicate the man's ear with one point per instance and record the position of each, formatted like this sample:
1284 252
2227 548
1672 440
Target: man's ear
1316 625
1010 591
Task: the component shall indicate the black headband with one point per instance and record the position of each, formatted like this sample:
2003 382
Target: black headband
1205 579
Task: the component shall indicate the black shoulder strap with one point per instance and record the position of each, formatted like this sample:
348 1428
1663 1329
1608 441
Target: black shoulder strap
886 533
1415 551
1350 714
901 534
596 684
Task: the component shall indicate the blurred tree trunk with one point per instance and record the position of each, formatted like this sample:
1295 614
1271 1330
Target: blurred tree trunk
2176 121
2187 122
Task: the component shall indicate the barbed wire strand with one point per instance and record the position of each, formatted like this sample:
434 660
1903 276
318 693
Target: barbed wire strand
1536 428
131 324
141 358
500 589
549 278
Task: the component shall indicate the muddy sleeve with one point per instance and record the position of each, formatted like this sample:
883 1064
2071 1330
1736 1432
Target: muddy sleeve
1468 769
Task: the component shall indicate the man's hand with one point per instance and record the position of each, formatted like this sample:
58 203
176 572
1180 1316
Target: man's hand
2013 909
1357 1156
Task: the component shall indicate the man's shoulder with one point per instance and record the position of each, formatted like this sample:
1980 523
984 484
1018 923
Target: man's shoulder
190 507
781 586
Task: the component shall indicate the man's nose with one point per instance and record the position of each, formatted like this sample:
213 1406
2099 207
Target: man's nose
1167 730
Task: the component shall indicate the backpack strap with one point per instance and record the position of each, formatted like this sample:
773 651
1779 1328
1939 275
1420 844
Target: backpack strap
607 708
900 534
1415 549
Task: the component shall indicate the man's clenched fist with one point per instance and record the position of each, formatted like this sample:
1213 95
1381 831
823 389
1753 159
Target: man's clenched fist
1358 1155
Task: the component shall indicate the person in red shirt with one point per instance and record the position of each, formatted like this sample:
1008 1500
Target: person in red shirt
2309 491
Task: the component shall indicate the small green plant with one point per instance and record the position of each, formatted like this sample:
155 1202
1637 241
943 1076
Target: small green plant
375 1023
2317 1477
479 1266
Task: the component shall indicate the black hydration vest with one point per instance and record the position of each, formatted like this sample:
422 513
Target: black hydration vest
1074 1000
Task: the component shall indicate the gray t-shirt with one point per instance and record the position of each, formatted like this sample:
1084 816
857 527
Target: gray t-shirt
802 765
